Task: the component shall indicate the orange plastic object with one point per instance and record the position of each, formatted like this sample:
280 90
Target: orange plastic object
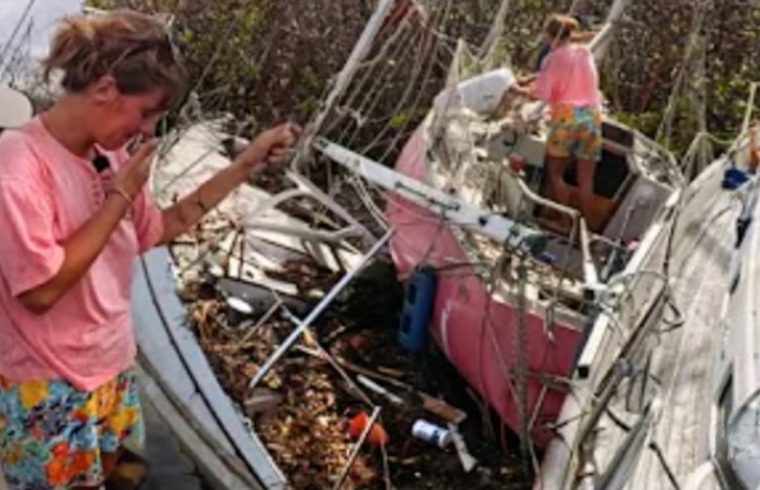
377 435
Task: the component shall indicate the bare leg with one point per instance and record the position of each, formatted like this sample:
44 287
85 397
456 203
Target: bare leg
556 188
124 469
555 168
586 170
109 464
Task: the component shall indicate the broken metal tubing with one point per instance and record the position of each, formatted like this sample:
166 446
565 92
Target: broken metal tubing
322 306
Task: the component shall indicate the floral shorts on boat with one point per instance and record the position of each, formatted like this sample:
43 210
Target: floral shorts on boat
52 436
575 132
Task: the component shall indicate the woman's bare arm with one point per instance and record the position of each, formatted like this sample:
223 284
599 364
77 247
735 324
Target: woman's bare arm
267 148
84 246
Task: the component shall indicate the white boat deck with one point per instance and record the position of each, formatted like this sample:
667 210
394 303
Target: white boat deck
685 360
679 364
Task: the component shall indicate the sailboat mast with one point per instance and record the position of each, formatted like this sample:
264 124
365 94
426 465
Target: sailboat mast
601 42
344 78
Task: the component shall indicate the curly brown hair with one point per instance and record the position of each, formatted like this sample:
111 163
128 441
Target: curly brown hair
560 27
135 49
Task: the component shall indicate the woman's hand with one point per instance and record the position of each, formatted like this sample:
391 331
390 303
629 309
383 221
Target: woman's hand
510 98
134 173
87 242
270 148
526 80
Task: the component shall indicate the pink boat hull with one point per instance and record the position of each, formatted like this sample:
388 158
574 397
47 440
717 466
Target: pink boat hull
468 323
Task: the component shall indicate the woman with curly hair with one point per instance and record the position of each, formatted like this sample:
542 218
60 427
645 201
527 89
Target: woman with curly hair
75 213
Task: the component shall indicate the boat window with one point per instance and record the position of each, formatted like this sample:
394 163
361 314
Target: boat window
617 136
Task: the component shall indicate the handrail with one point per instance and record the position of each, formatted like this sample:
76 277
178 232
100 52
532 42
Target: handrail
573 213
591 280
750 107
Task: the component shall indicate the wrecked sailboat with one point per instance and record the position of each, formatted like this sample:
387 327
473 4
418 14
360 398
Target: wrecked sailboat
515 302
623 360
655 410
527 310
519 309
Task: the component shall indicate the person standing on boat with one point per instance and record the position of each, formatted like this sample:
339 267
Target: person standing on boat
75 213
569 83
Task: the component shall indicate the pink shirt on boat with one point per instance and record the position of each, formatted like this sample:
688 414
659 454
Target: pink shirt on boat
46 194
569 77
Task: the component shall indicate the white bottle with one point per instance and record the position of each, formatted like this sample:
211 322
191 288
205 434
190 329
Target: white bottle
422 429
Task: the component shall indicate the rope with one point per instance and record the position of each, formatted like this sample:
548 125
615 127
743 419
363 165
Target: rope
18 58
15 31
395 41
372 95
418 99
665 127
488 48
521 355
750 107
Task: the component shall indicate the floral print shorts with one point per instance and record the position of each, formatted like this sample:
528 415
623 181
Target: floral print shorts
52 435
575 132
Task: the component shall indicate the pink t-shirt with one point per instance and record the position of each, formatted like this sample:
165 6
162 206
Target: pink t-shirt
46 194
569 77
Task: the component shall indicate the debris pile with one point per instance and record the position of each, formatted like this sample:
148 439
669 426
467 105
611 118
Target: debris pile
248 271
312 407
298 411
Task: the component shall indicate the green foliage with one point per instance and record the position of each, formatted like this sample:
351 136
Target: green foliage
267 60
262 60
405 117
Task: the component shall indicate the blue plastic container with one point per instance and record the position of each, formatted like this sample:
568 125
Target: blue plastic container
733 178
419 299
